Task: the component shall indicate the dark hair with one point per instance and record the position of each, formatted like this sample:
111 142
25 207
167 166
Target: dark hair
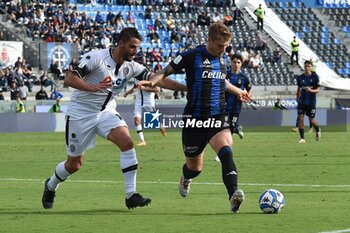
237 56
308 62
128 33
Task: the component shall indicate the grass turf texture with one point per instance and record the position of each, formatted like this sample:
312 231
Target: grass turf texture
314 178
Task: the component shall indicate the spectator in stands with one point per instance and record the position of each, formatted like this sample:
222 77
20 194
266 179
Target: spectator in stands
18 76
249 43
19 105
141 56
172 53
18 63
216 17
175 37
187 7
174 8
203 19
41 94
110 17
23 92
2 36
161 55
73 65
155 54
157 67
237 14
56 94
1 94
158 25
170 24
105 41
149 56
245 56
260 14
3 81
193 29
14 91
148 12
228 20
154 37
277 55
46 80
256 62
120 21
55 69
130 18
260 43
295 51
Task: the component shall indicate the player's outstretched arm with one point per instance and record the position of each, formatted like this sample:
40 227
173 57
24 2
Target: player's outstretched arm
243 95
160 79
73 80
132 90
172 85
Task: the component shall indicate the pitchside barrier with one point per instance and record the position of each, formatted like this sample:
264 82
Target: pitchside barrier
170 116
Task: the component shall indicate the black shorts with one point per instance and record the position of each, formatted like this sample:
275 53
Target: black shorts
307 110
194 139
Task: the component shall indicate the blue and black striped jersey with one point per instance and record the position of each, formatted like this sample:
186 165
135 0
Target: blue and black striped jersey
205 80
240 80
303 81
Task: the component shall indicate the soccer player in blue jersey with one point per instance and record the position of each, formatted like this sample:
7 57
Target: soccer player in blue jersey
233 104
308 87
206 73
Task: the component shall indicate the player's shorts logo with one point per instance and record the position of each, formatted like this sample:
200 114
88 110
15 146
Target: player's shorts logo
151 120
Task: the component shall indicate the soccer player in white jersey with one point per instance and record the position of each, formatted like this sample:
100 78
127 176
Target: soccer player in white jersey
100 76
144 101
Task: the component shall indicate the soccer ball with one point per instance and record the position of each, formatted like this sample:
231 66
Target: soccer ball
271 201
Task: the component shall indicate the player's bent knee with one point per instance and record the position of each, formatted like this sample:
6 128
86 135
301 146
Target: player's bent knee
127 144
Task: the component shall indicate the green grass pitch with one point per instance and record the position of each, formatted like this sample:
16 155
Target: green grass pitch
314 178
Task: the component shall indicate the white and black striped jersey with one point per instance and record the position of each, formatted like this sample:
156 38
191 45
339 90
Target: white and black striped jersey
95 67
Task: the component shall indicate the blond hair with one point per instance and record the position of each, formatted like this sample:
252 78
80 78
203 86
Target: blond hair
219 31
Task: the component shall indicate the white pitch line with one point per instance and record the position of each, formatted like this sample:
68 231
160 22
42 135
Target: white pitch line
337 231
196 183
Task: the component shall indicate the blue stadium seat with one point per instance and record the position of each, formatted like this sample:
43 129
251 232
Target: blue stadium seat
337 41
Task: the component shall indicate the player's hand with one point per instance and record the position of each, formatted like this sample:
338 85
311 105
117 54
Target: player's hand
244 96
102 86
126 94
308 89
145 83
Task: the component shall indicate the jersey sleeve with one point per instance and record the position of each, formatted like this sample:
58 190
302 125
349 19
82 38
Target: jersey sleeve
140 71
179 62
317 81
247 84
298 81
87 64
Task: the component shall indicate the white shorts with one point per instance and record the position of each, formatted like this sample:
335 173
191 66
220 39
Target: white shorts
138 109
81 134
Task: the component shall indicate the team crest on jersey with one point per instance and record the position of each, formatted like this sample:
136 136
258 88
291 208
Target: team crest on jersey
126 71
239 81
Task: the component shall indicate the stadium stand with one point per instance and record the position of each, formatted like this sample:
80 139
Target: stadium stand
316 35
88 26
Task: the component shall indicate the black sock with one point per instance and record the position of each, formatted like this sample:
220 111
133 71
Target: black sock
301 132
189 174
229 170
317 129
